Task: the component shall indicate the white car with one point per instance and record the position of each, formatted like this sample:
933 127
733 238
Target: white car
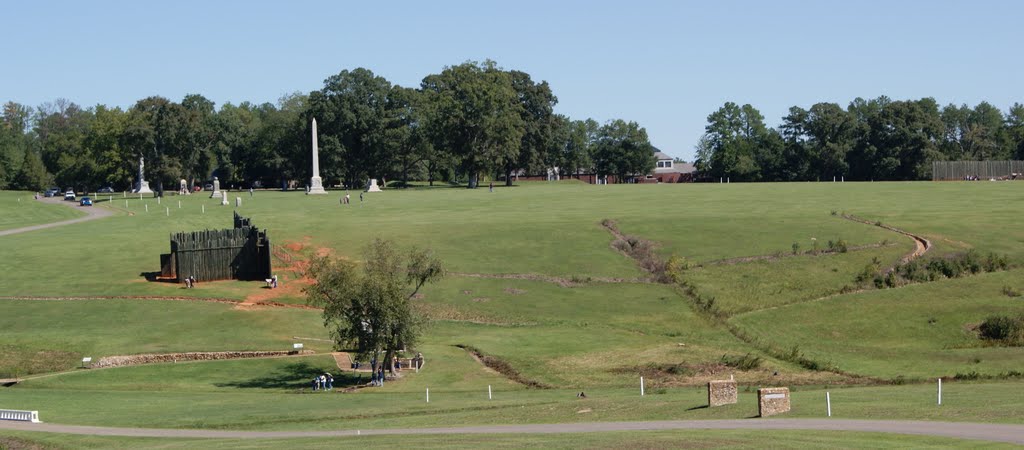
69 195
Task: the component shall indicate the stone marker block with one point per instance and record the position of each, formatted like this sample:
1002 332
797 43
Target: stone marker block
721 392
772 401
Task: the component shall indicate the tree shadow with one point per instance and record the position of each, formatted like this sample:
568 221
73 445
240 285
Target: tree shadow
296 376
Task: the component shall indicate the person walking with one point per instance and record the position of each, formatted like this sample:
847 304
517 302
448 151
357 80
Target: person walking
330 381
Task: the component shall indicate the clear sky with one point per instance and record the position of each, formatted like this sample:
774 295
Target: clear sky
664 64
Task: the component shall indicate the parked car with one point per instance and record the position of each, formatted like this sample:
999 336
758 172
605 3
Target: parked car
86 201
105 190
69 195
50 192
208 186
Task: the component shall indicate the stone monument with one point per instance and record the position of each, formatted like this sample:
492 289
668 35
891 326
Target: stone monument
722 392
183 188
216 189
316 185
772 401
371 186
142 187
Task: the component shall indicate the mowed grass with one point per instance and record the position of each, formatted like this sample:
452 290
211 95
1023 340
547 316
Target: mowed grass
610 440
596 337
770 283
917 331
583 336
274 394
60 333
20 209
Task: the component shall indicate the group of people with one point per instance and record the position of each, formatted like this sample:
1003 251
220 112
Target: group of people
323 382
190 282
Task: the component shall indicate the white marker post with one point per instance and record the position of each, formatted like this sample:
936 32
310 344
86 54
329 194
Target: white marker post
940 391
126 204
168 211
147 207
428 395
204 209
641 386
158 200
828 403
489 392
179 204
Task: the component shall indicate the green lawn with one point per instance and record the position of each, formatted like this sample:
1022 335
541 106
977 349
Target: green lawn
918 331
610 440
595 336
55 335
19 209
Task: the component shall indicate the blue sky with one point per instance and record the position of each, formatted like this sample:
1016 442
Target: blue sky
666 65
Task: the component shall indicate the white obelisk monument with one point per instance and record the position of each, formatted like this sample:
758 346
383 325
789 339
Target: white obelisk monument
316 185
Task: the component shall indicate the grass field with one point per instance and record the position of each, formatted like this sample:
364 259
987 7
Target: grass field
570 313
609 440
21 210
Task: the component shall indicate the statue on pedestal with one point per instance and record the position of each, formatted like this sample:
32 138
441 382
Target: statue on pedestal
143 186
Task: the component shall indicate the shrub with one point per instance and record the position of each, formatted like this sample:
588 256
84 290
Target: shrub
841 246
1010 292
869 271
745 362
796 248
1002 328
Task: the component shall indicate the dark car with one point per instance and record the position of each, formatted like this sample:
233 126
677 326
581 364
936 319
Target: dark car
105 190
51 192
86 201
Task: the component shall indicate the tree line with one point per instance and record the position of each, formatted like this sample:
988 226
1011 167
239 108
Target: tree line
879 139
468 122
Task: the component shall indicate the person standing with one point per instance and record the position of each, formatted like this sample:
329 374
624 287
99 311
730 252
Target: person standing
492 186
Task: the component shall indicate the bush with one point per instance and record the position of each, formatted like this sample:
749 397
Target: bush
796 248
1005 329
745 362
1010 292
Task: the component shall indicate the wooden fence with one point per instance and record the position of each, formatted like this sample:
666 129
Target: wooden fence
980 170
239 253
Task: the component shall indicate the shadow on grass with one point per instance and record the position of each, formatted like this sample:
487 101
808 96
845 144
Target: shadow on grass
697 407
295 376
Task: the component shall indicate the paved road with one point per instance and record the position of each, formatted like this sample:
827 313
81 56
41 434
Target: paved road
92 213
990 432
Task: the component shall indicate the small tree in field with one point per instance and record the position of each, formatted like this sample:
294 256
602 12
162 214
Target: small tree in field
370 310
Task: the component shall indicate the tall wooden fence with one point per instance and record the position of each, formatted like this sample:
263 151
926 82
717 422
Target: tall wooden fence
981 170
239 253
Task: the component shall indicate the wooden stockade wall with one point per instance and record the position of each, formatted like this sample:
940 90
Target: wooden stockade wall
240 253
984 170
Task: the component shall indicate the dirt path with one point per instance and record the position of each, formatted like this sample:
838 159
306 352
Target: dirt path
1013 434
91 213
921 245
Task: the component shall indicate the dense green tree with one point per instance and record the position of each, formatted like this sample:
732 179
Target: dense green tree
577 151
474 110
537 149
1015 130
353 119
371 310
155 129
623 149
733 135
32 175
